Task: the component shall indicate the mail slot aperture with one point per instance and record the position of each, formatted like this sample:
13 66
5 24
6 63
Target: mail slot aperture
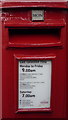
34 37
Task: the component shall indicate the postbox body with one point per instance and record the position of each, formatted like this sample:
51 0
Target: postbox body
34 60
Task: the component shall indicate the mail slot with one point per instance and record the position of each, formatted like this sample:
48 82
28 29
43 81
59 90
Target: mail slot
33 60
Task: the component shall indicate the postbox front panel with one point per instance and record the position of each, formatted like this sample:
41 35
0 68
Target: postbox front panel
34 63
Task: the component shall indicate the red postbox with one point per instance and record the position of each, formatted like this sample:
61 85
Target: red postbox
33 59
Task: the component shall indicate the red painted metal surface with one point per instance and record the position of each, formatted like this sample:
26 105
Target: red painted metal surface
67 60
16 20
0 67
33 3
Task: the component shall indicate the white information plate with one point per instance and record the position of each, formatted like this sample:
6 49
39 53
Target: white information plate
34 84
